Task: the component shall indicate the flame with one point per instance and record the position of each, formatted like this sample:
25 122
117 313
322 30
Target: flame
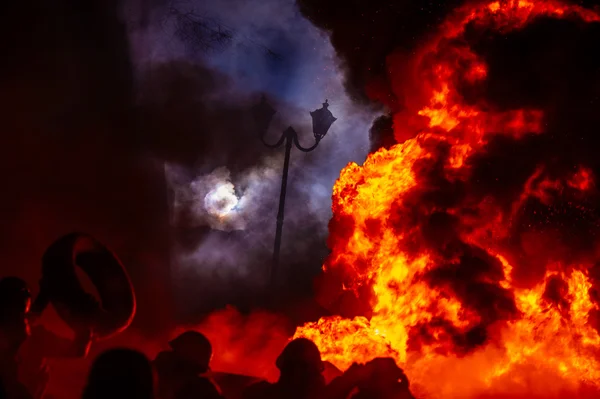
537 342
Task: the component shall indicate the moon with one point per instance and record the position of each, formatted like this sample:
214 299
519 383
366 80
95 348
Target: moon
221 200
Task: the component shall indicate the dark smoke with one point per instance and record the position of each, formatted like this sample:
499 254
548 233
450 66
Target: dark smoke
382 133
364 33
550 65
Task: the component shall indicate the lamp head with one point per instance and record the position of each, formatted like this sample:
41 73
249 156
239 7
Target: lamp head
322 119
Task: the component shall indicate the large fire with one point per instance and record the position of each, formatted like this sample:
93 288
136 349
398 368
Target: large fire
455 314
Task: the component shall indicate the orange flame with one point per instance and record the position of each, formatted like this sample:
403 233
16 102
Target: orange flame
551 347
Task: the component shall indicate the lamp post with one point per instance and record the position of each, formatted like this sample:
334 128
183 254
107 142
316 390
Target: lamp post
322 119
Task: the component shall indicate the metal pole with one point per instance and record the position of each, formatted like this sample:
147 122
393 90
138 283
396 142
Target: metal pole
289 134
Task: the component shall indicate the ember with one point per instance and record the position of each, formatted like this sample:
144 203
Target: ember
448 294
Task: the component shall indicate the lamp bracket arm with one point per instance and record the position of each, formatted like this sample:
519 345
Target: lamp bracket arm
276 145
299 146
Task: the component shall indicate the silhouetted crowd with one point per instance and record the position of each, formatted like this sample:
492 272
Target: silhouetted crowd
182 372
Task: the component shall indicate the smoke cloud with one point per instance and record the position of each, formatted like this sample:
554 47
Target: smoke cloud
224 247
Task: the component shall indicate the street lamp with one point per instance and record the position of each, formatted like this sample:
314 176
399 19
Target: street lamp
322 119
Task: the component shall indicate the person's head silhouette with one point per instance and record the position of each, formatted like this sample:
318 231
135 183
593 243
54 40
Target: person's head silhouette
300 353
384 380
194 349
120 374
301 369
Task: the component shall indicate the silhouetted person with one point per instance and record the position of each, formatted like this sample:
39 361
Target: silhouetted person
31 346
15 301
180 369
120 374
380 378
301 374
386 381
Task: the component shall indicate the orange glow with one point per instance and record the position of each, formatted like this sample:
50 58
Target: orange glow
495 6
544 347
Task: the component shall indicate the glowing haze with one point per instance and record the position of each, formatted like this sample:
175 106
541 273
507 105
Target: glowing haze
428 262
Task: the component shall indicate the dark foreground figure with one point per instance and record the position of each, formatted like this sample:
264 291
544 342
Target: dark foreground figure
15 301
24 349
301 374
301 377
120 374
127 374
180 370
380 378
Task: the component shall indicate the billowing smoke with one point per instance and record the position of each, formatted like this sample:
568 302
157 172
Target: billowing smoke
365 33
224 197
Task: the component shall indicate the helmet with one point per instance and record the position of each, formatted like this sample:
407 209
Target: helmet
193 347
385 373
300 352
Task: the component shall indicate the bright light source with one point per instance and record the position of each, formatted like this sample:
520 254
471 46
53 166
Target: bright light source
221 200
